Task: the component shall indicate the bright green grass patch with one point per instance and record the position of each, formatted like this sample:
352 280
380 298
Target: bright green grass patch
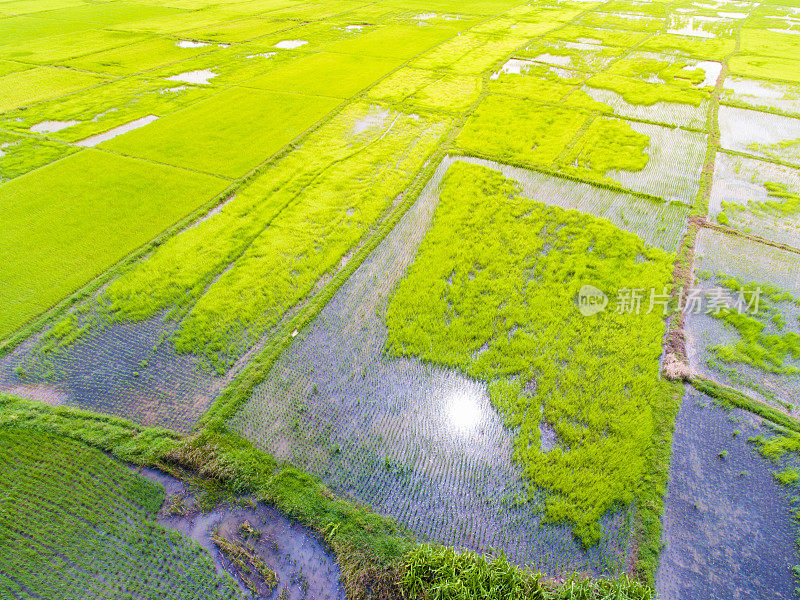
514 130
136 58
493 292
8 66
290 226
636 91
705 48
69 221
229 134
239 31
609 37
176 22
58 48
393 41
469 53
607 144
20 154
25 7
327 74
451 92
535 82
770 43
234 65
104 107
610 20
403 83
75 19
439 572
762 67
77 523
42 83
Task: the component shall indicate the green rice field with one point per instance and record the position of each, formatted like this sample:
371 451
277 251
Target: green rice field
400 299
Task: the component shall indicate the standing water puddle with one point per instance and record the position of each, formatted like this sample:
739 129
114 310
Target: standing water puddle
303 566
52 126
201 77
90 142
290 44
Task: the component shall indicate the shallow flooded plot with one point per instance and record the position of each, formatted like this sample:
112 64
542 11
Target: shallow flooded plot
259 534
659 224
669 113
760 134
420 443
757 197
673 169
728 529
763 94
754 351
123 369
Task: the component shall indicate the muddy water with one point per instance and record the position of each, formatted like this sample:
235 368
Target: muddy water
303 565
727 528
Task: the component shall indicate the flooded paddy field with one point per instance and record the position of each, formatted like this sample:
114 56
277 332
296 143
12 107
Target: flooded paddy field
723 263
728 529
407 257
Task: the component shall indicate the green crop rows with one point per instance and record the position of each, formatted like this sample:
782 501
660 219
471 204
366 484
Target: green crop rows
74 522
185 185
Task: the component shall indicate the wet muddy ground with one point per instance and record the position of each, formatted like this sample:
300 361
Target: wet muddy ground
728 532
304 567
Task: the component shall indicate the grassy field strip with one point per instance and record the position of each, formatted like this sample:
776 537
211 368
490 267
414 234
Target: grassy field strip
75 519
41 83
659 224
66 240
207 137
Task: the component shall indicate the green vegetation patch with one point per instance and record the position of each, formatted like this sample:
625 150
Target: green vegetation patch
765 67
22 88
431 571
493 292
635 91
20 154
514 130
76 522
136 58
284 231
393 41
704 48
770 43
103 107
607 144
608 37
327 74
228 134
58 48
69 221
